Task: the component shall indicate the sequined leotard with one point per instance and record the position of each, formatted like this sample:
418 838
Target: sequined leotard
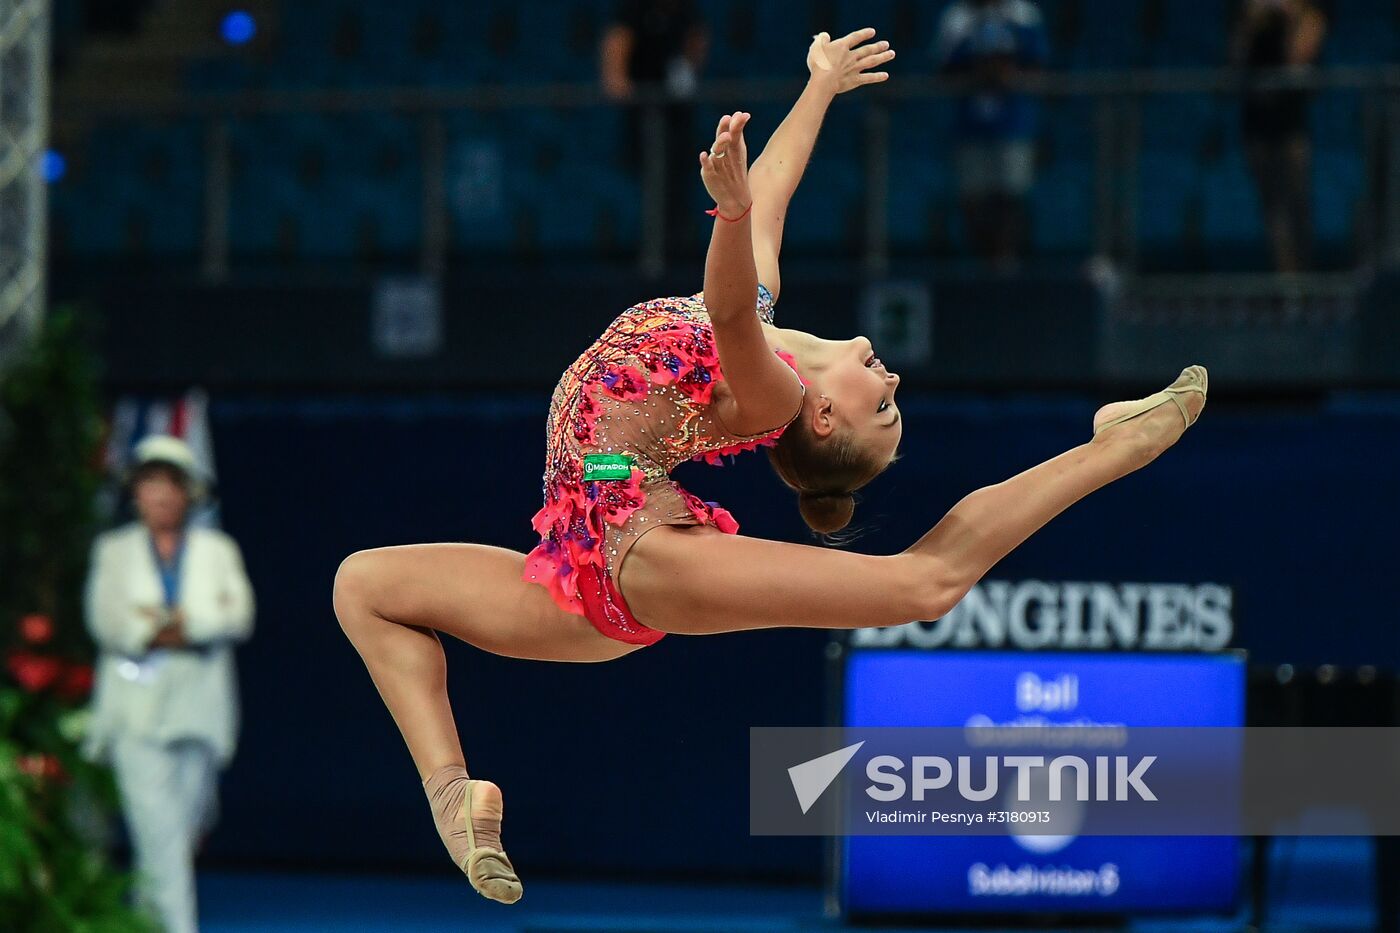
643 389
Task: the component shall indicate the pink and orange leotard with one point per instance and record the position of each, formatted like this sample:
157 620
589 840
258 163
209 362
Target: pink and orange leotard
643 390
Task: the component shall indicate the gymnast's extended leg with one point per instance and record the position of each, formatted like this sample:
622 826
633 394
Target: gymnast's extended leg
697 581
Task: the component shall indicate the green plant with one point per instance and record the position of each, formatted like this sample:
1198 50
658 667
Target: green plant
54 875
50 437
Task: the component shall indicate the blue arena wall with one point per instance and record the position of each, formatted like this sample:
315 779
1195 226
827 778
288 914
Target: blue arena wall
636 767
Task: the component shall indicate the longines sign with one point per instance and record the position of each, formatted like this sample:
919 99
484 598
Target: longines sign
1085 616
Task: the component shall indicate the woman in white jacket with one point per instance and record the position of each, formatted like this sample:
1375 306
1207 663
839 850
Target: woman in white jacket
165 603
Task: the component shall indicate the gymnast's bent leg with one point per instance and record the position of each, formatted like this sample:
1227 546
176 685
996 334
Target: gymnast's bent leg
392 602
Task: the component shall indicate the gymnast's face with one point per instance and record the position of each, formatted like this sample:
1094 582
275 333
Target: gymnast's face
858 396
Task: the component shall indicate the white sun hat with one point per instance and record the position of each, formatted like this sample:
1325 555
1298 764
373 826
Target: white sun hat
162 448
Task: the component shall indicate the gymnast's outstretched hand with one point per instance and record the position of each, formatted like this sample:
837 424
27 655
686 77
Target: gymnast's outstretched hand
845 63
725 167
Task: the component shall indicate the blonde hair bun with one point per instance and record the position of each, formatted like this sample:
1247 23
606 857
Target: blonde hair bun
826 512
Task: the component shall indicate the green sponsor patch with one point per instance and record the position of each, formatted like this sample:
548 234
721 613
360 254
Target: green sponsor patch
606 466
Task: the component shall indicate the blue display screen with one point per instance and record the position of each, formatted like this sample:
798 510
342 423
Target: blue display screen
986 874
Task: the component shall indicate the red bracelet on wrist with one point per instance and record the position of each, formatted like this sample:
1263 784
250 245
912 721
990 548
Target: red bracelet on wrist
714 212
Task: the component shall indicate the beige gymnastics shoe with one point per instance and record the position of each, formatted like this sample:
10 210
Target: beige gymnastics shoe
473 843
1193 380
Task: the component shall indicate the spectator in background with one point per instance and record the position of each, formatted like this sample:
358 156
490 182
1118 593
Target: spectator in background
165 603
1274 35
991 43
661 43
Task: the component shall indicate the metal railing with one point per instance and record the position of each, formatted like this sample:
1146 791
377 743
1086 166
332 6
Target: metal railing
1117 100
24 99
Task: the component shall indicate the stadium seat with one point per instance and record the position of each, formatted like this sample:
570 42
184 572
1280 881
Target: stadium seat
1062 210
334 184
1232 219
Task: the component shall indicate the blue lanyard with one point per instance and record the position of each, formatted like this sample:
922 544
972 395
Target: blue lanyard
170 571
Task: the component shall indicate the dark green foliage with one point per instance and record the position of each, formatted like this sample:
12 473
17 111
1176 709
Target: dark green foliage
54 874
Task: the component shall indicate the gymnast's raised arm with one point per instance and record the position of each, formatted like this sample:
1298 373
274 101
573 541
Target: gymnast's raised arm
763 392
836 66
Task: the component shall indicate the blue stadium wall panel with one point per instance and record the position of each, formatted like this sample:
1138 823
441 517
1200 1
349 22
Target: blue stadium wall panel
637 767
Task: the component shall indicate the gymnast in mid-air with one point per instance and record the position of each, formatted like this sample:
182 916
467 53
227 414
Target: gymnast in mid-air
627 556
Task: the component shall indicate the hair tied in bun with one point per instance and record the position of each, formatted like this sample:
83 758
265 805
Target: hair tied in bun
826 511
